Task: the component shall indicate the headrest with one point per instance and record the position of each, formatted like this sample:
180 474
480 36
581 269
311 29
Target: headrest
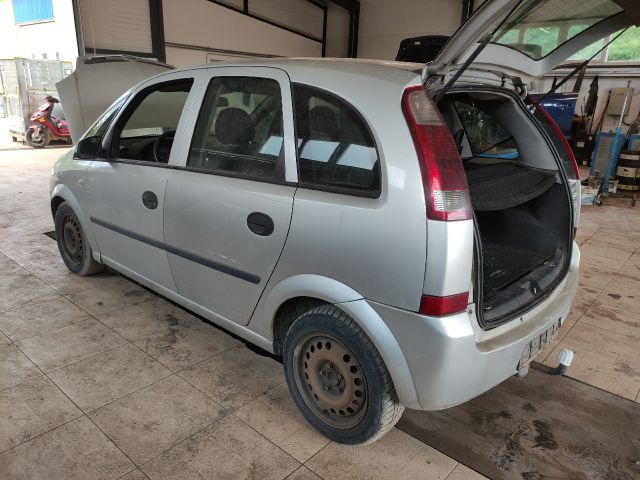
234 126
323 121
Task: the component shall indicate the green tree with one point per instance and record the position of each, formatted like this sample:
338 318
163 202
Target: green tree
626 48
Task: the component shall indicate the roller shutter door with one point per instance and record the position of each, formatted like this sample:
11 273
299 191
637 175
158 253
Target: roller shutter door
116 25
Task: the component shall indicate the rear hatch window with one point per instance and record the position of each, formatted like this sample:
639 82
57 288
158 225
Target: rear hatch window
537 28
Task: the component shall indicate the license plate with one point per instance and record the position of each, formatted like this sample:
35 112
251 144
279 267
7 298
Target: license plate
537 344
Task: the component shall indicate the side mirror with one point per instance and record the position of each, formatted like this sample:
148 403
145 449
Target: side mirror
89 147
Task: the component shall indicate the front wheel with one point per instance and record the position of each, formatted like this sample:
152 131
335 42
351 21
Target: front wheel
338 379
72 243
38 137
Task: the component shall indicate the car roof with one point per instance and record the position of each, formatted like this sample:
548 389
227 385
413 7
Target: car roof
359 66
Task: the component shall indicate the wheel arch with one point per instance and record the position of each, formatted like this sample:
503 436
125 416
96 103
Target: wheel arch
299 293
60 194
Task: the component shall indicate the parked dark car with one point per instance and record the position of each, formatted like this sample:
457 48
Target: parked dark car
421 49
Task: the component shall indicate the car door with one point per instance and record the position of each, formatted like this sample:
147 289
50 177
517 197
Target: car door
125 190
228 206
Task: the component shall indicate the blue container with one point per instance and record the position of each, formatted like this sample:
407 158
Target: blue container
561 107
606 152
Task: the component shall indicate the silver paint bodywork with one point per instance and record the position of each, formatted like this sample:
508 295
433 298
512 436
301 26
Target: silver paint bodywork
373 257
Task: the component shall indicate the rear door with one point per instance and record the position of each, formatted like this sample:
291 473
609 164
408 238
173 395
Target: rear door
228 204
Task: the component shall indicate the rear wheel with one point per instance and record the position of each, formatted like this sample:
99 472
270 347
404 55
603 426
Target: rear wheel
72 243
38 138
338 379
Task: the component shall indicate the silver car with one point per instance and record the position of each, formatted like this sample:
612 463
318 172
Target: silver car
400 235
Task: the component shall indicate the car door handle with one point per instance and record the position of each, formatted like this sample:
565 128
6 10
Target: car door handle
149 200
260 224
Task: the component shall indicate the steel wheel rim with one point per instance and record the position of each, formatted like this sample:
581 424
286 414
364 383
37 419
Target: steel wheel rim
330 380
72 242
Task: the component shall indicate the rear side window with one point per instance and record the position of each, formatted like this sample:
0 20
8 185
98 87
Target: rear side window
239 129
336 150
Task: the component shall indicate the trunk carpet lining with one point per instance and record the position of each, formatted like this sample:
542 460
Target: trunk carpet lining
504 264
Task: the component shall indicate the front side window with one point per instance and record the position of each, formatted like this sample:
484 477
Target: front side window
239 129
335 148
90 144
146 129
100 126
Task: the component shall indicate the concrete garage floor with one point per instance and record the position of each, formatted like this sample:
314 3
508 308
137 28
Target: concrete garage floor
101 379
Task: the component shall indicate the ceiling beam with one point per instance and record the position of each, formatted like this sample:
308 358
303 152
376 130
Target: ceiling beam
351 5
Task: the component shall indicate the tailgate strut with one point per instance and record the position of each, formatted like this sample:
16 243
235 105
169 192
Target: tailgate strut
483 43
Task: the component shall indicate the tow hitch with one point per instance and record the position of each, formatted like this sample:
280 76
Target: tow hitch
565 357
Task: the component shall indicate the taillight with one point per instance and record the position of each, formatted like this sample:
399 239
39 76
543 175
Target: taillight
444 181
440 306
446 191
576 199
573 173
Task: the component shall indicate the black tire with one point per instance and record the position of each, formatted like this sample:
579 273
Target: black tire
40 141
354 401
72 243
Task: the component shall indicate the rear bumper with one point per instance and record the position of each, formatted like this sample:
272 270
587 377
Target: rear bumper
451 362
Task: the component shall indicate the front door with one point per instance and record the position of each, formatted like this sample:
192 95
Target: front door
228 208
126 190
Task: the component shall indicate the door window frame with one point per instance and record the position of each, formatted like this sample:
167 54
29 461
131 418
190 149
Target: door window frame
352 192
142 90
289 148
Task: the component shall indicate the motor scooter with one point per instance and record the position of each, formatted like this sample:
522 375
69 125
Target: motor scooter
45 127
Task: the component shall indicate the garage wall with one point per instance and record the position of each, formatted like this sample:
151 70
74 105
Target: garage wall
383 24
337 31
301 15
120 25
202 24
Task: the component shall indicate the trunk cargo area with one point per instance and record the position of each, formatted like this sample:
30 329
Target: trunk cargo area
523 249
521 205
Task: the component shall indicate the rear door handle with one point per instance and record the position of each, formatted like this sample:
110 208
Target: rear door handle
260 224
150 200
